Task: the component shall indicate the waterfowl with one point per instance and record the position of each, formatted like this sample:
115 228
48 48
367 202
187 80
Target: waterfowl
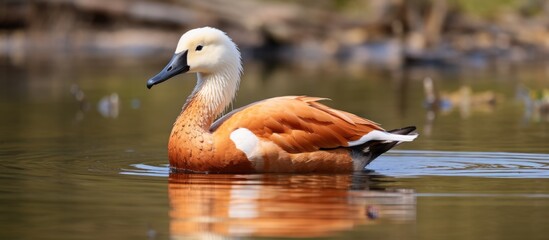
281 134
464 98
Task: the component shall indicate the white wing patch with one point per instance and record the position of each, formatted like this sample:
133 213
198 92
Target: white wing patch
246 141
377 135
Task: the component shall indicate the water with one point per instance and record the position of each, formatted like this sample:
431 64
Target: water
83 156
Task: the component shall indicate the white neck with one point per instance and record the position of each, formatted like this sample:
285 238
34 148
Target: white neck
217 90
212 94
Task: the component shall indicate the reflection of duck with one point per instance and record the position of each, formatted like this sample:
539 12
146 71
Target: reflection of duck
464 98
283 134
278 205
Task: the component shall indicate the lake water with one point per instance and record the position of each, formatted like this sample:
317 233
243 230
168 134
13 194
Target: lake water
83 156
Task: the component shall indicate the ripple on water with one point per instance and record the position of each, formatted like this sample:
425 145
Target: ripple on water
141 169
468 164
427 163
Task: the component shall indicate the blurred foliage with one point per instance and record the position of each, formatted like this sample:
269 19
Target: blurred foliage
486 8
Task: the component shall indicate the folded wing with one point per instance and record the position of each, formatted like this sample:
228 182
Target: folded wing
298 124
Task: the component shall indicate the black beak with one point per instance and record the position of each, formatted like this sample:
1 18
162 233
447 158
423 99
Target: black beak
177 65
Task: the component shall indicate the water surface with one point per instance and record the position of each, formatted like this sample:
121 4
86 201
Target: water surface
83 156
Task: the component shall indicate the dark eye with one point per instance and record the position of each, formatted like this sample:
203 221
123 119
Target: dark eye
198 48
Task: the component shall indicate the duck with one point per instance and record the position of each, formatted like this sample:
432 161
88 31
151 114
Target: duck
464 98
287 134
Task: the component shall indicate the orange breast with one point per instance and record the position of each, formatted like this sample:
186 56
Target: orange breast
194 150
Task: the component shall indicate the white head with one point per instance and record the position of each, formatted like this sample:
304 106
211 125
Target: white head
205 51
208 50
211 54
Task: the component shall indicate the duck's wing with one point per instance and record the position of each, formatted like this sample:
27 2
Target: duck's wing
225 117
302 124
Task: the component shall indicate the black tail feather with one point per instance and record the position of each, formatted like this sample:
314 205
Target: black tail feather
372 150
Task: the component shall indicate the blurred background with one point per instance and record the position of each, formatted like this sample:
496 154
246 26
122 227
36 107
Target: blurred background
388 33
